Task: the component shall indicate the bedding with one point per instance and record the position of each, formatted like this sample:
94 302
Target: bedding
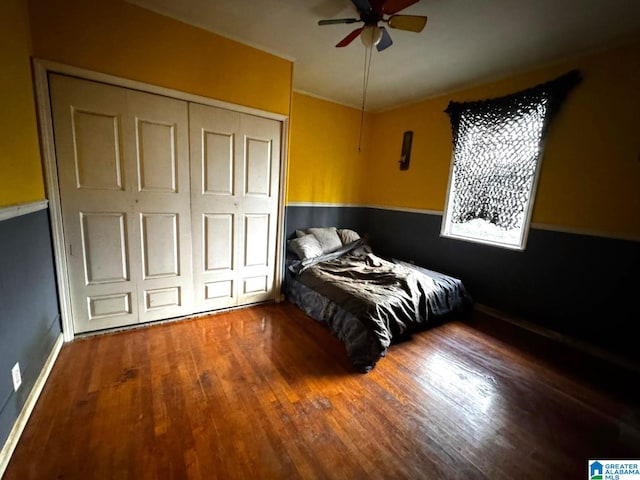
367 301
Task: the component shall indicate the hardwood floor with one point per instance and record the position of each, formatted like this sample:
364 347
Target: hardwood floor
267 393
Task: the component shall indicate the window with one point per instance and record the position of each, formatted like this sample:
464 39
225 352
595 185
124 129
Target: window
497 148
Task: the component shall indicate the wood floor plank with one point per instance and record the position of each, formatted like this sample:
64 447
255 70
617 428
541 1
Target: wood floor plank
267 392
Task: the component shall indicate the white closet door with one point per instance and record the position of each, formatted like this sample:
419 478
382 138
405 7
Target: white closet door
235 162
123 173
159 151
214 202
258 207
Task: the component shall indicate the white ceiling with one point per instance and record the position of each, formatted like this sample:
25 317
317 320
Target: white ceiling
465 42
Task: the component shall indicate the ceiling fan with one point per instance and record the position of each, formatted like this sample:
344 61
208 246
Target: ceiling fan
371 13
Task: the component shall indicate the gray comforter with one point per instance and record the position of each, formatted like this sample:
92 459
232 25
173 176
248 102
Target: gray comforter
373 300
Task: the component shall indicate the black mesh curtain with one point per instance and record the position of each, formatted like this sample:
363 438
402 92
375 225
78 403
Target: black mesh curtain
497 144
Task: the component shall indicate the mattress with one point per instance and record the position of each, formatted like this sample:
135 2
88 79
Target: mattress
368 301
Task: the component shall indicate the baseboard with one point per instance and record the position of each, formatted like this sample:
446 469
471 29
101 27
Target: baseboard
561 338
25 413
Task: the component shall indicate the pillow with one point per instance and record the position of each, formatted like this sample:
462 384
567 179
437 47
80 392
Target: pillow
348 236
305 247
327 237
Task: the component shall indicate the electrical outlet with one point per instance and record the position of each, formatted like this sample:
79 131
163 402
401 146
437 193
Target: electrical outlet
17 378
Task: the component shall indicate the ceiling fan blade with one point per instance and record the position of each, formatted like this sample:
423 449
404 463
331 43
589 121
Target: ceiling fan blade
394 6
349 38
338 20
412 23
385 40
362 6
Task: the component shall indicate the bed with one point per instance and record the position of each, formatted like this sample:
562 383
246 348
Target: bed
367 301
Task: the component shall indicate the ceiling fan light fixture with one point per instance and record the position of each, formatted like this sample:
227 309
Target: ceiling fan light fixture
370 35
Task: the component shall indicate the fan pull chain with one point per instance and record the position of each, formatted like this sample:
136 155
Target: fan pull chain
365 85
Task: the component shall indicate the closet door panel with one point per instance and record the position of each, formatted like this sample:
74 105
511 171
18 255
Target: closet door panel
96 143
218 163
159 149
214 204
156 155
160 246
218 241
97 202
258 165
104 247
258 204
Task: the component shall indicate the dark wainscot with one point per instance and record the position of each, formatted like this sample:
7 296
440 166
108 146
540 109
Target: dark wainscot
581 286
30 317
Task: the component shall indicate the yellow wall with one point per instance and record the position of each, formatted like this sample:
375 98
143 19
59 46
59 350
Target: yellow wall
20 170
591 167
424 184
325 165
121 39
590 170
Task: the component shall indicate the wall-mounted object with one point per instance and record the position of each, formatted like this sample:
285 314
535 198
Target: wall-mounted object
405 155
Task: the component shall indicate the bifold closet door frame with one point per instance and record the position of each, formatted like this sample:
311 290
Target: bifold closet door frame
42 68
